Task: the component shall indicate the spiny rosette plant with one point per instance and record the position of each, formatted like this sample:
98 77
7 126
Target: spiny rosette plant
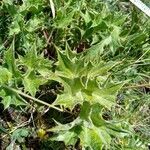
83 83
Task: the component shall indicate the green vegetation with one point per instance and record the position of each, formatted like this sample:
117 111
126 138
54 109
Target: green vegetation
74 74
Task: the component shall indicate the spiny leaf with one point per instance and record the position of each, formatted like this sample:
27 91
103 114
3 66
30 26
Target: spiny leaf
106 96
74 85
19 134
91 138
64 20
34 24
65 64
6 101
69 100
5 75
85 111
30 59
69 66
68 133
68 137
96 115
101 69
10 60
68 51
32 6
95 51
33 61
76 76
14 29
17 23
115 39
32 82
11 99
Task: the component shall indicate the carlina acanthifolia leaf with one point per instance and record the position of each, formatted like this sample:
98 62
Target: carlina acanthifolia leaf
20 134
9 58
90 138
68 100
65 20
85 111
32 82
96 115
6 101
30 59
69 137
95 51
107 95
9 99
5 75
64 63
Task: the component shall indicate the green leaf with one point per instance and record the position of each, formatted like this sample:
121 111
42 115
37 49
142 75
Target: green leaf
72 86
17 24
77 76
96 116
76 67
69 53
33 61
8 2
68 137
93 134
68 133
95 51
115 39
6 101
10 60
5 76
105 100
31 6
30 59
101 69
64 20
20 134
69 100
106 96
70 65
65 64
91 138
85 111
32 82
14 29
86 16
34 24
105 137
116 129
9 99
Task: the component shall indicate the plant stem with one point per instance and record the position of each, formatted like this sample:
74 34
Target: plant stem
137 86
32 98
